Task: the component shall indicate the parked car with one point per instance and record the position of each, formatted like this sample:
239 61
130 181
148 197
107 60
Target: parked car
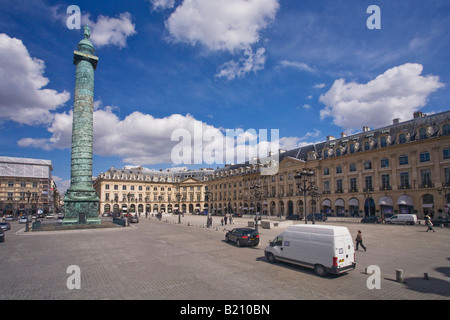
237 214
5 226
317 217
49 216
441 220
402 218
2 235
134 219
294 217
243 237
371 219
9 218
25 219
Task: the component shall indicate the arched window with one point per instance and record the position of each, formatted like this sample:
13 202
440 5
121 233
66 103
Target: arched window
366 146
338 152
402 138
325 154
422 133
383 141
352 148
446 129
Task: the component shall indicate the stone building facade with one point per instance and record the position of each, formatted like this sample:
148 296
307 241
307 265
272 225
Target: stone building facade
401 168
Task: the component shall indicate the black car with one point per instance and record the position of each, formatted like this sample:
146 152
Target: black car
294 217
371 219
243 237
317 217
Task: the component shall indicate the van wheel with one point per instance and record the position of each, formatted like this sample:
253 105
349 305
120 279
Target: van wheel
270 257
320 270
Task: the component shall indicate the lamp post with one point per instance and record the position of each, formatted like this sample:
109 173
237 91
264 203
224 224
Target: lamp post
207 195
367 196
255 190
304 185
27 226
179 197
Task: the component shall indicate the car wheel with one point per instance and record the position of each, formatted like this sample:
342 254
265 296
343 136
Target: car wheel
227 239
270 257
238 242
320 270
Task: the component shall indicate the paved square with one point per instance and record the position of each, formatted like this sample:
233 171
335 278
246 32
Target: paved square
164 260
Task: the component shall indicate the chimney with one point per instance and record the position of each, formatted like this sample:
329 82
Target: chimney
330 138
366 129
396 121
343 134
418 114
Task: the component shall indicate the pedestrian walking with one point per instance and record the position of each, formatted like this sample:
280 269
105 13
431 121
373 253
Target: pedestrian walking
231 220
221 221
429 223
359 241
225 219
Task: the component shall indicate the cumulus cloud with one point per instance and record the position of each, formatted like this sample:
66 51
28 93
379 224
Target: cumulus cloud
221 24
23 96
110 31
396 93
142 139
225 25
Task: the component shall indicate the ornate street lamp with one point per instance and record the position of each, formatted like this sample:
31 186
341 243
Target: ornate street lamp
255 190
179 197
27 226
304 185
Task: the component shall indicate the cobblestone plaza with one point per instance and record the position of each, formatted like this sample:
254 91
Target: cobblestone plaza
164 260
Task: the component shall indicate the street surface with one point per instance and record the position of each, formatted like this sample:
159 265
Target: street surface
165 260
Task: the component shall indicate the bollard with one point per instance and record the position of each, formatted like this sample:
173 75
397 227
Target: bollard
399 275
425 276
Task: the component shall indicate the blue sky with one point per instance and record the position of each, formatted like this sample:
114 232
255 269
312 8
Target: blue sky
306 68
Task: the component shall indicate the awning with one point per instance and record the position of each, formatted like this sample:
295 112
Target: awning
427 205
385 201
339 203
353 202
405 200
326 203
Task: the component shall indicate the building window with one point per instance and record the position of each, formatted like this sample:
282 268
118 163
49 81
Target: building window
446 153
446 129
124 187
338 152
116 187
425 175
352 148
367 165
325 154
106 186
447 176
353 186
385 184
402 138
352 167
326 171
404 180
383 141
368 182
422 133
424 157
366 146
403 159
339 188
10 196
326 186
385 162
338 169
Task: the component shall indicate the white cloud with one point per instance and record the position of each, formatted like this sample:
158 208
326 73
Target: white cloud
396 93
319 86
251 63
162 4
141 139
297 65
221 24
23 97
110 31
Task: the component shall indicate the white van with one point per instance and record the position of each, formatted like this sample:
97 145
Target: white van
402 218
326 249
